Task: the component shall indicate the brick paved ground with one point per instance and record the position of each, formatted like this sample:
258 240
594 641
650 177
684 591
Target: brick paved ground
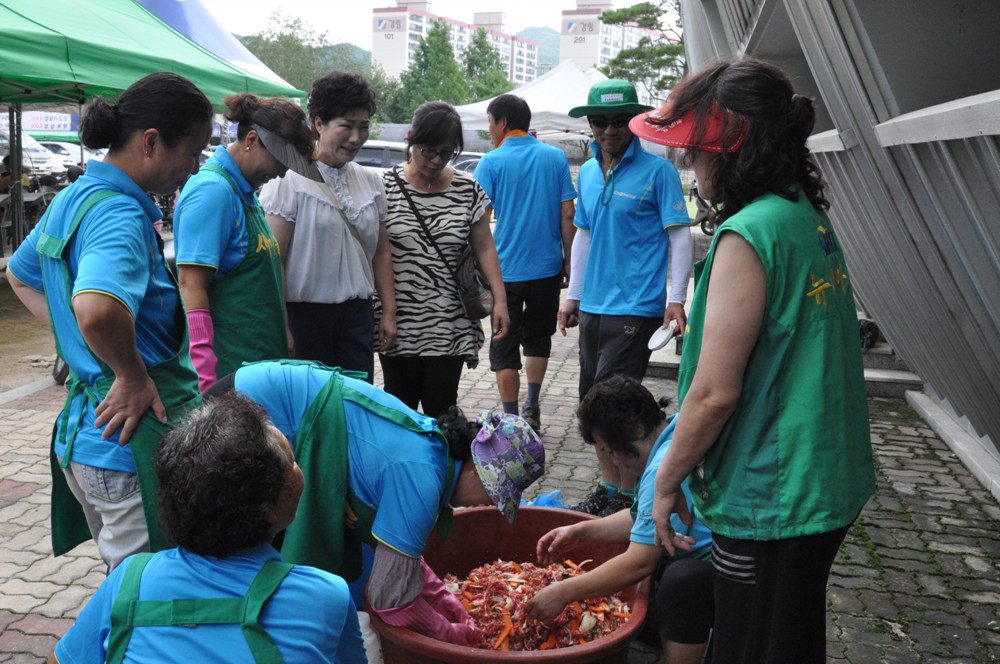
918 580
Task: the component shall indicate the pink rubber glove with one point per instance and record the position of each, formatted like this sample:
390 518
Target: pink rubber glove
440 599
202 335
422 619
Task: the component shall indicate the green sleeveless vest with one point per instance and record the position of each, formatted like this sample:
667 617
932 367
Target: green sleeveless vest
248 303
795 457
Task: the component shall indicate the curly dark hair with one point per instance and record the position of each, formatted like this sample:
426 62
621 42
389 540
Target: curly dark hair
435 123
221 475
459 431
773 157
337 94
621 411
278 116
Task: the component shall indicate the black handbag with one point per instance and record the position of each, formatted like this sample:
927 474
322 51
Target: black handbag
473 288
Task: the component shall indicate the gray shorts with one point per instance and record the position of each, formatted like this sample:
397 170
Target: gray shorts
112 504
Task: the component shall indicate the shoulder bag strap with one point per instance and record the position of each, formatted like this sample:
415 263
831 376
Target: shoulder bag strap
423 225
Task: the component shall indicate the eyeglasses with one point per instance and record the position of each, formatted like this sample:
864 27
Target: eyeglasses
604 123
434 154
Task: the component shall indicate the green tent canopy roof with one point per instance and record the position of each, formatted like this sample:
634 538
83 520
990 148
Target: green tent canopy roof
68 51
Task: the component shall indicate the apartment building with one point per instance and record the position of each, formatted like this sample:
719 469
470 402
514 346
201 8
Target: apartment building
396 32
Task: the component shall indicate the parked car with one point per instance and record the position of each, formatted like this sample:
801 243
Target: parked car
381 154
467 161
72 152
38 162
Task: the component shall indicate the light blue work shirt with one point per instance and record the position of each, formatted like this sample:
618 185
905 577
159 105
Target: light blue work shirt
115 253
209 223
527 182
398 472
310 617
643 529
628 218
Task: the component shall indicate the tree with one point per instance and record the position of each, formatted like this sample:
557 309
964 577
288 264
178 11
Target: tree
655 63
387 93
434 73
484 68
298 53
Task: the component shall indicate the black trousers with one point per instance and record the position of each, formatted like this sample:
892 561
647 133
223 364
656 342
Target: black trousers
428 381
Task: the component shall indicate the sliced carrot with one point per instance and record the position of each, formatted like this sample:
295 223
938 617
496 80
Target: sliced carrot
467 605
468 594
571 564
574 625
507 622
516 566
549 642
502 638
505 645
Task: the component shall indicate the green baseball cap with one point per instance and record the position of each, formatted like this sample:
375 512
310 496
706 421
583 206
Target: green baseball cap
609 98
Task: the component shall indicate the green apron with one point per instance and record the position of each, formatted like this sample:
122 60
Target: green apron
326 534
248 303
128 611
175 380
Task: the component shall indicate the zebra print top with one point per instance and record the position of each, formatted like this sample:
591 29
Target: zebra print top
429 317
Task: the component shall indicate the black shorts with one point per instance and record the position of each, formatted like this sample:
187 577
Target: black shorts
533 307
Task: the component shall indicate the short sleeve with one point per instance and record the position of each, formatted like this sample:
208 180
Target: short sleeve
25 264
279 197
670 193
408 506
484 176
84 642
566 184
480 203
580 218
113 249
203 221
381 199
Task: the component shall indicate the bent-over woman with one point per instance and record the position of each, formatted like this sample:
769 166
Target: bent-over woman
395 474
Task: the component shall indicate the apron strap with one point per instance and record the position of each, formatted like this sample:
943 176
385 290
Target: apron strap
128 611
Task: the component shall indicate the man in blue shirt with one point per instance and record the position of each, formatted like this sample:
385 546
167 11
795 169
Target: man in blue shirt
632 222
532 195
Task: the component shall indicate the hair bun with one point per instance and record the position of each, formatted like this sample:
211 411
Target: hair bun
801 118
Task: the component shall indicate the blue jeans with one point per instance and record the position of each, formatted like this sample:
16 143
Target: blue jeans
113 506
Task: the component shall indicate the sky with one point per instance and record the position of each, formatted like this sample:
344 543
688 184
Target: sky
350 20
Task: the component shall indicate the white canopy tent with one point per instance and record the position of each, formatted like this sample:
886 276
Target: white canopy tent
550 98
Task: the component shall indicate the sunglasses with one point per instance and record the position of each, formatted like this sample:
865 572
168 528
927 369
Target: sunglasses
604 123
431 155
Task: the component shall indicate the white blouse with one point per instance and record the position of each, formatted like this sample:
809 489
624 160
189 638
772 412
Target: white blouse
336 231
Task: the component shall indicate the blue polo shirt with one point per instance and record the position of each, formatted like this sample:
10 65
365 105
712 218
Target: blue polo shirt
114 252
209 224
627 219
643 529
398 472
527 181
310 617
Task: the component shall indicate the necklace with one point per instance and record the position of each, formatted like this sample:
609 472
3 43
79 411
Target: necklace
418 180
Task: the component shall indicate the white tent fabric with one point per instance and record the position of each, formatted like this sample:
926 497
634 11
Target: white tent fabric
550 98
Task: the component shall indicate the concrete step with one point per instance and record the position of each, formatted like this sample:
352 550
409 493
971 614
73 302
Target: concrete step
882 356
879 382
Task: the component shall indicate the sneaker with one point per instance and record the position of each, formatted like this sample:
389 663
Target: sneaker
533 416
619 502
595 502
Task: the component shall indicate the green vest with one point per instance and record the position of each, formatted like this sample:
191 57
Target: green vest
175 380
332 522
128 611
795 456
248 303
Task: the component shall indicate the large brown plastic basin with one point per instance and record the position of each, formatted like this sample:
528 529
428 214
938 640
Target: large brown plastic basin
482 535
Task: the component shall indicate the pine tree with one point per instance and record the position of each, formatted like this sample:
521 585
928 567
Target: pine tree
657 64
484 68
434 73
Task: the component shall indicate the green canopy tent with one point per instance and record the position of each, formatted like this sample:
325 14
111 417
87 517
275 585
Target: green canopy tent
61 53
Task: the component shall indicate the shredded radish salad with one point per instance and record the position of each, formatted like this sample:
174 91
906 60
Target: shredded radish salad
494 595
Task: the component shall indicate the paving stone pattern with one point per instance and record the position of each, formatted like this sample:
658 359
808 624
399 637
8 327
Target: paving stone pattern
917 581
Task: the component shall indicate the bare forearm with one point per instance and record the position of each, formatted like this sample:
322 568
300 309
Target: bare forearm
622 571
33 300
699 423
385 284
109 330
